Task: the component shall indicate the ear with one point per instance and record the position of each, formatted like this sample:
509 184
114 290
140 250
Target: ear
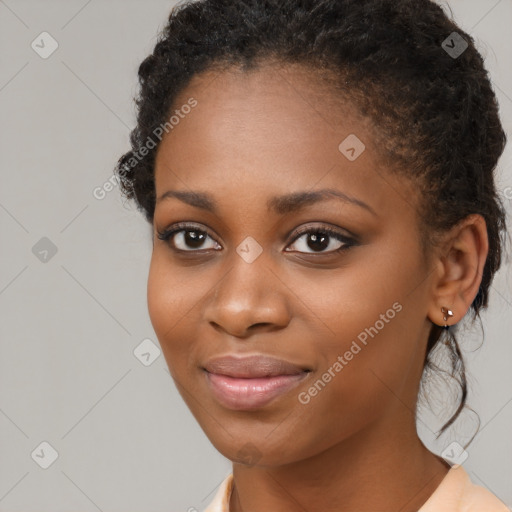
459 266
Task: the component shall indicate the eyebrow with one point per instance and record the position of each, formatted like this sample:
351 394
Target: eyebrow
279 204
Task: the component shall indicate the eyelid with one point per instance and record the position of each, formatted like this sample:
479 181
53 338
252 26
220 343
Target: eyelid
178 226
324 228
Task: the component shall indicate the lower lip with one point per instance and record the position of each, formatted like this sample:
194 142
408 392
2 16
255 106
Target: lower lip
248 394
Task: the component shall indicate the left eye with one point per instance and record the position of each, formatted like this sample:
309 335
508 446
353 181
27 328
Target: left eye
321 239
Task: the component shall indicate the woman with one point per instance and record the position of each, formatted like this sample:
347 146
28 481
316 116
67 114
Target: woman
319 179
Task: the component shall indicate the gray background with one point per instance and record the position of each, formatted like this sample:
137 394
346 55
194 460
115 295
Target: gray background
71 320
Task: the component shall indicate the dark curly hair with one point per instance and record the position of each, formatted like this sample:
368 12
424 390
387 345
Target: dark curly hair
435 113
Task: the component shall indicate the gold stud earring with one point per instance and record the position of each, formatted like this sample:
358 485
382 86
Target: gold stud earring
447 313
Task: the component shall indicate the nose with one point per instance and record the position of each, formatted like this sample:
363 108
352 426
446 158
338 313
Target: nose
249 298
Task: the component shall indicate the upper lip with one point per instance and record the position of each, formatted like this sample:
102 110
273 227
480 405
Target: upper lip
253 366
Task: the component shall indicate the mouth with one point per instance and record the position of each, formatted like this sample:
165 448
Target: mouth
251 382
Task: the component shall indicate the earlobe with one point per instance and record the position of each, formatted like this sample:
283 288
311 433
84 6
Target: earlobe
443 317
447 313
461 267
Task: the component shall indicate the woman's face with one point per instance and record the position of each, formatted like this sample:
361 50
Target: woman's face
255 273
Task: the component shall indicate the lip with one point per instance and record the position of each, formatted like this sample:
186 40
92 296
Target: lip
251 382
253 366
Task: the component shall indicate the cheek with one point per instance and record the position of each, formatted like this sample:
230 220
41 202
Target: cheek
170 292
359 383
371 316
354 302
169 300
160 296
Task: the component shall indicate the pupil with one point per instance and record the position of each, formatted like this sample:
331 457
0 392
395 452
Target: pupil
194 239
319 241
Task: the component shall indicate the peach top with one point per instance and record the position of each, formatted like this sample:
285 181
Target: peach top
455 493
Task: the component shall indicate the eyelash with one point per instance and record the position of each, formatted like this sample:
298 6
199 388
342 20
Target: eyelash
326 230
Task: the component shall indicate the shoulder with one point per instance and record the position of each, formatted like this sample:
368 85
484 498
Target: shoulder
220 502
479 499
457 493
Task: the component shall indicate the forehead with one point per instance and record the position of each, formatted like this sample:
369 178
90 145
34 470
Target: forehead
289 100
270 130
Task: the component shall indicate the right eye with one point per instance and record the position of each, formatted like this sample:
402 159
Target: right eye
186 237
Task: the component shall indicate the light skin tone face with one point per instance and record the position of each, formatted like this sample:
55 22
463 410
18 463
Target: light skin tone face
353 445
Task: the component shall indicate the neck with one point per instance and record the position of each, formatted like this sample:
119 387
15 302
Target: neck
382 467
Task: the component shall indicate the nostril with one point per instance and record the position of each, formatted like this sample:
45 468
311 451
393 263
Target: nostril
264 324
